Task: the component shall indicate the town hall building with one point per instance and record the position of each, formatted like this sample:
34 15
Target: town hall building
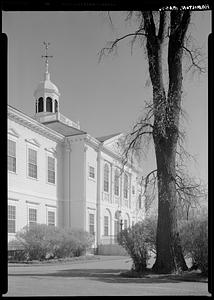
59 175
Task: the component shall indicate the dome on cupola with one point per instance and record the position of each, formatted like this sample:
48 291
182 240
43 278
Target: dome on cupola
47 85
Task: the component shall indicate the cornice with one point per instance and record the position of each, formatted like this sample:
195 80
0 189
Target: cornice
87 138
92 141
22 192
34 125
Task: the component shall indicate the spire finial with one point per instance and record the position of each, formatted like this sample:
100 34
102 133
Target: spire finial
46 56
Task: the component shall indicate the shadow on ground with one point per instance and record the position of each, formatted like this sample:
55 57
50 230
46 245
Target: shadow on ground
114 276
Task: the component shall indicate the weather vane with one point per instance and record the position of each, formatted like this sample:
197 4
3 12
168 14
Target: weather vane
46 56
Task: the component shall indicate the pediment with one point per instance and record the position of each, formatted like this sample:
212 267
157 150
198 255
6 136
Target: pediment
115 144
113 140
33 142
51 150
13 132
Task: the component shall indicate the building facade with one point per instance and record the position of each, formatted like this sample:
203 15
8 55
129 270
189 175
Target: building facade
60 175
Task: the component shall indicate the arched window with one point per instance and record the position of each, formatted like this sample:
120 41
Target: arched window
125 224
40 105
107 223
126 221
56 106
116 182
125 186
49 104
106 178
117 223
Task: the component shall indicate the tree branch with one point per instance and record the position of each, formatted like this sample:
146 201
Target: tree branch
141 127
202 70
185 23
149 24
114 43
147 176
162 25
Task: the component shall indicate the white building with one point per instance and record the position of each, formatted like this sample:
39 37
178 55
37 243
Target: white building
60 175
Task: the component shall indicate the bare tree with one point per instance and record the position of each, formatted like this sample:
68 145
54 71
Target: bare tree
190 194
161 122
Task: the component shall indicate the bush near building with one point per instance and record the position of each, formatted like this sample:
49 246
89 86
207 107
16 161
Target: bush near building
194 239
40 242
139 242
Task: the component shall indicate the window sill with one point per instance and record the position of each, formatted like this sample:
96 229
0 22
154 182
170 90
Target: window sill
11 172
91 179
51 183
33 178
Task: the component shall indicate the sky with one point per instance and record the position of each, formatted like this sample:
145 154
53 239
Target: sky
106 97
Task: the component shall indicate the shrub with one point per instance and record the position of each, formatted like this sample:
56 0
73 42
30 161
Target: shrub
44 242
83 240
139 241
15 251
194 240
34 242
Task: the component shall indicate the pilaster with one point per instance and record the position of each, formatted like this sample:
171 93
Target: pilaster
67 188
98 195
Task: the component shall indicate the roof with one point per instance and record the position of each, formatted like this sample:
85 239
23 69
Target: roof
63 128
47 85
107 137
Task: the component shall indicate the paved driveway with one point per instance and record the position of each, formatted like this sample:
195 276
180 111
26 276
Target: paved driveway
98 277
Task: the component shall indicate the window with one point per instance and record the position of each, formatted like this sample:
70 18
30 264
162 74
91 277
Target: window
32 216
11 219
116 182
106 178
56 106
49 104
32 163
133 189
116 227
125 190
125 224
91 172
51 218
51 169
91 224
11 156
40 105
105 225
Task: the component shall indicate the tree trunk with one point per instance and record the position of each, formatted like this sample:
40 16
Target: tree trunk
169 253
165 132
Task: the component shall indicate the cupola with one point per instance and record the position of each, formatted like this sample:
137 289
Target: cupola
46 94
